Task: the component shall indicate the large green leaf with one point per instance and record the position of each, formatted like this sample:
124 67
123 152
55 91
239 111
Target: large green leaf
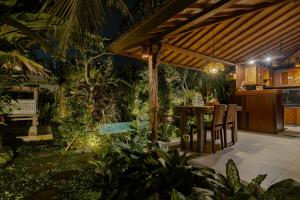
253 187
259 179
202 194
288 189
177 195
233 176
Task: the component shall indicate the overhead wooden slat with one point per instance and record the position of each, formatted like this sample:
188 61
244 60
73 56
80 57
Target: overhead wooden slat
273 44
178 65
241 29
253 30
237 14
237 29
229 33
197 55
210 11
291 54
219 36
269 46
264 34
186 42
204 36
169 10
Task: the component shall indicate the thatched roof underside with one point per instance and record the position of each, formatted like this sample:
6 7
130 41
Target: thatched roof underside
241 30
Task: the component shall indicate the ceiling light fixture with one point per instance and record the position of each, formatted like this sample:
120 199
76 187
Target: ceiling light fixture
145 52
268 59
251 61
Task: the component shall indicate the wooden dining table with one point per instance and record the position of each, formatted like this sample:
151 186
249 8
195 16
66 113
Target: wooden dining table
199 112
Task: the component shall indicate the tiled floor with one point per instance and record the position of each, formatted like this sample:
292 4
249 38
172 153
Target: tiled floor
277 156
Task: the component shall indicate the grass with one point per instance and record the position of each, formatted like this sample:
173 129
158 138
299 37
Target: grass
47 173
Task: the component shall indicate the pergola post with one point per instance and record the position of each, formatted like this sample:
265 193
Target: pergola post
153 85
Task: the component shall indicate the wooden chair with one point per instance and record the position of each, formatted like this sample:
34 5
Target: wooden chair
170 119
230 122
216 126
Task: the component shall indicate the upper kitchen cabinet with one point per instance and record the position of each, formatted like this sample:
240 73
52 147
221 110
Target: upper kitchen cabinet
287 77
253 74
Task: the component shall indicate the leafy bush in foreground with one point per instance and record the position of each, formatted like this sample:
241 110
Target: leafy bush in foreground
161 174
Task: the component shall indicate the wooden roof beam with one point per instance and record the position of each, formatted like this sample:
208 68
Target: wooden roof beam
218 19
205 14
171 8
294 52
181 66
194 54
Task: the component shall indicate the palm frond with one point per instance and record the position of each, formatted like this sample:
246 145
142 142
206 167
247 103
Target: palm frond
15 59
81 17
26 31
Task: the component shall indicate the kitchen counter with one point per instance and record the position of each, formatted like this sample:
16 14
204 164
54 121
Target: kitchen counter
292 115
263 111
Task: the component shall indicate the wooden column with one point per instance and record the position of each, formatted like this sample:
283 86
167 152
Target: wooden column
33 129
36 98
153 85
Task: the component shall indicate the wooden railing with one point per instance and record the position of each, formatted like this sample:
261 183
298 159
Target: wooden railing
24 106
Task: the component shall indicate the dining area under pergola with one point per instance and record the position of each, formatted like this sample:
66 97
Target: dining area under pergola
210 35
260 38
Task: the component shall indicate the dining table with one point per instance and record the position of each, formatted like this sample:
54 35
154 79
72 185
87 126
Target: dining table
198 112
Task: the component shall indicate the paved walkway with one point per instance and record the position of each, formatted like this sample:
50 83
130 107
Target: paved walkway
277 156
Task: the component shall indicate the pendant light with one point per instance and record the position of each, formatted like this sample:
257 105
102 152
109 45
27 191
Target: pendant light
214 67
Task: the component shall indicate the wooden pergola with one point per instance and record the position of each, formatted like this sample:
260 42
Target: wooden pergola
182 33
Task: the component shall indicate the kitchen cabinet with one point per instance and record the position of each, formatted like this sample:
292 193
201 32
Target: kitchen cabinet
254 75
292 115
287 77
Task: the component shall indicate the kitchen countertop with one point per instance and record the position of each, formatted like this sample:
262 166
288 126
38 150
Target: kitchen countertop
292 105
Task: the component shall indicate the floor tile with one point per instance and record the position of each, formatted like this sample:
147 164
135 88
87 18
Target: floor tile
254 154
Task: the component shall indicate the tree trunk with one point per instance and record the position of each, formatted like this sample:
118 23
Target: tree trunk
62 107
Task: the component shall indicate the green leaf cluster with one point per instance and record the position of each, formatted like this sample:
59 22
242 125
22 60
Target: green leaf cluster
157 174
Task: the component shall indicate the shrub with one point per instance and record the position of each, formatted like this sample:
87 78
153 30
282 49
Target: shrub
6 155
156 173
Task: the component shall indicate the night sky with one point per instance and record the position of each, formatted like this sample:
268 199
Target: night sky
110 31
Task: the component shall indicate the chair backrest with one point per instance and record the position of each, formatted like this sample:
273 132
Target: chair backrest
219 113
230 114
171 119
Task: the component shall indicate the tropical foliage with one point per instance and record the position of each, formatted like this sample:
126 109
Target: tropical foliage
158 173
66 36
8 78
80 19
167 132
